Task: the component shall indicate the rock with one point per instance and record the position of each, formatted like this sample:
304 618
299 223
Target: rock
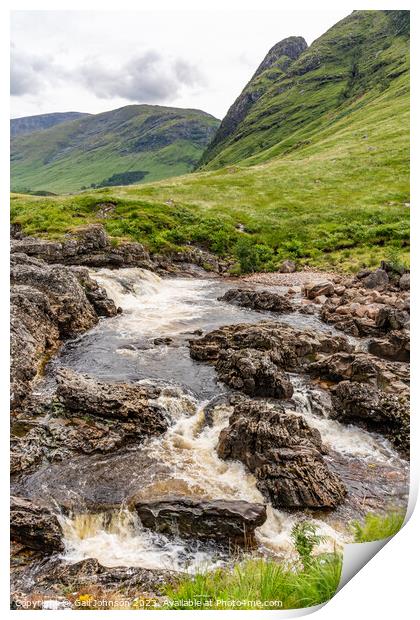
283 453
392 267
374 410
258 300
389 318
34 526
395 347
163 340
122 401
225 521
376 279
363 368
291 348
48 305
315 289
339 290
404 282
321 299
287 266
254 373
46 579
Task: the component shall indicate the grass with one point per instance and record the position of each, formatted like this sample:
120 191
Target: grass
324 182
259 584
378 527
71 156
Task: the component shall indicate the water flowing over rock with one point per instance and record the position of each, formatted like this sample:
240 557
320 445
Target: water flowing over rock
227 522
48 305
374 410
34 526
258 300
284 454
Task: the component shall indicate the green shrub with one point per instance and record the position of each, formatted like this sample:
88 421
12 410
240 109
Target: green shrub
305 539
377 527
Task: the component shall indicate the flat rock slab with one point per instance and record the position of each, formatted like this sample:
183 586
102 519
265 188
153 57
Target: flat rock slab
224 521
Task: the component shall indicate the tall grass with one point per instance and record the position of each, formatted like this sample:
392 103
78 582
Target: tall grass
377 527
260 584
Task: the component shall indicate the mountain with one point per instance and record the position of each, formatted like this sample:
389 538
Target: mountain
316 169
131 144
298 91
29 124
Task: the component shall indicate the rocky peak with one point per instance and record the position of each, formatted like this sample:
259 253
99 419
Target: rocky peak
292 48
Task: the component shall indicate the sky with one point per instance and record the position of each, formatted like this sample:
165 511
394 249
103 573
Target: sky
93 61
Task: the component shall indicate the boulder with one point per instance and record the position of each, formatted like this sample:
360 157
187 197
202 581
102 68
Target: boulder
404 282
374 410
284 454
258 300
396 346
82 394
290 348
224 521
35 526
287 266
390 318
315 289
254 373
378 280
363 368
49 303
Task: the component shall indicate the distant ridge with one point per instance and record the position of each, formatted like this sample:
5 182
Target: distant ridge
29 124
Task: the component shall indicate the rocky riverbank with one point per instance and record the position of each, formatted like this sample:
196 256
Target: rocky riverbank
94 444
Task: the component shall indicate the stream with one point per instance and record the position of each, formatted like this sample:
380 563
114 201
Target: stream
183 461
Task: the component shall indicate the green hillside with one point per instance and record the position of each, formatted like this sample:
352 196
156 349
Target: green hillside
39 122
295 102
330 190
134 143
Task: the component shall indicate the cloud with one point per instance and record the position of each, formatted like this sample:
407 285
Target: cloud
148 78
145 78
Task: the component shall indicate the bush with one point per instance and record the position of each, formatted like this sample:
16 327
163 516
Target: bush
252 256
377 527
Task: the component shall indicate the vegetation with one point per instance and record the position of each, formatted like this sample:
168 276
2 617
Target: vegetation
157 140
294 104
377 527
265 584
321 173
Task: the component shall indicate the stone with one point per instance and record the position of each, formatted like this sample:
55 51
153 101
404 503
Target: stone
224 521
374 410
283 453
315 289
258 300
287 266
254 373
49 304
35 526
404 282
395 347
389 318
363 368
378 280
122 401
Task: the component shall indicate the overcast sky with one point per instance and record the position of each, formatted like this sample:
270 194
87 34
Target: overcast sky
90 61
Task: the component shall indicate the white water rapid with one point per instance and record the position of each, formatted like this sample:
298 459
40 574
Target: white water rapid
184 458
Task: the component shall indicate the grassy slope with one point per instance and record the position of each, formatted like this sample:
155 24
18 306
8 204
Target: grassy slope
340 200
352 62
75 154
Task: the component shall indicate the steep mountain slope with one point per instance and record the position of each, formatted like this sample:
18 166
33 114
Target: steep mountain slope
29 124
123 146
287 105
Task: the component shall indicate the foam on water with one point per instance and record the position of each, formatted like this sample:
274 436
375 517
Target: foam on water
154 307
